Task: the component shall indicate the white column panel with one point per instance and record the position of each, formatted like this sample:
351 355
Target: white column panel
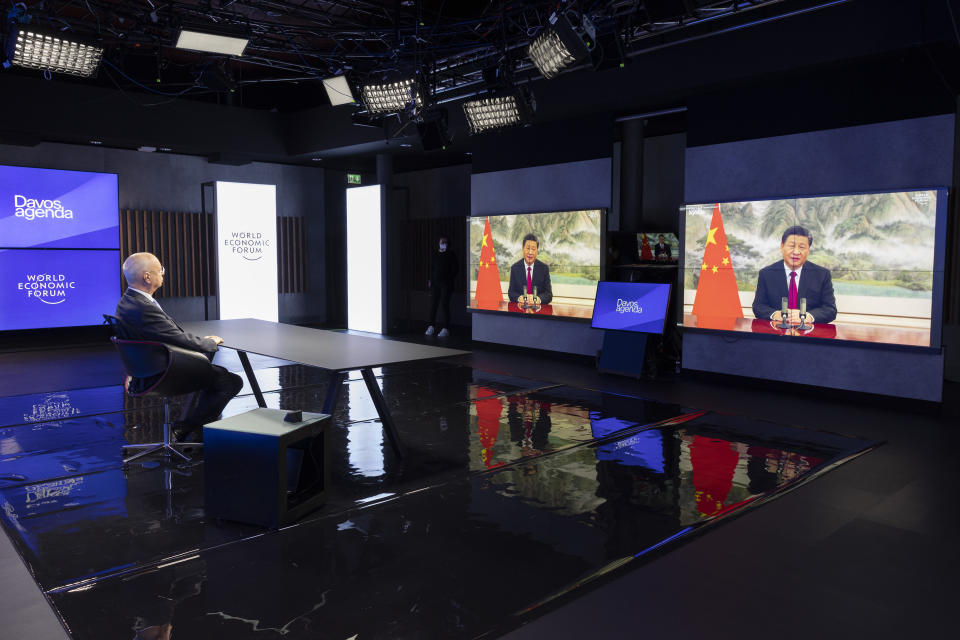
364 275
247 250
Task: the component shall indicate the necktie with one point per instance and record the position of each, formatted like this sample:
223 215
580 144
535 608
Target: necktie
792 300
530 280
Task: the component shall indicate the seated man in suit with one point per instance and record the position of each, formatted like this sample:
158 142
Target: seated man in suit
795 278
140 313
528 273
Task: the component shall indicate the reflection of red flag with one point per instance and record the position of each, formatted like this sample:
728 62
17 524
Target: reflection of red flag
645 252
489 293
717 301
488 424
713 462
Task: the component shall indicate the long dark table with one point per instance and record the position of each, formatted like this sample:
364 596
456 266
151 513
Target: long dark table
332 350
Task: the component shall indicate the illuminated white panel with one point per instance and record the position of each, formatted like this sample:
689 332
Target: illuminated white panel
364 278
247 250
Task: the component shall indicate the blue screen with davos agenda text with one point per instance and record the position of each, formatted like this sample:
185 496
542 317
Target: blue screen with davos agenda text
50 208
631 306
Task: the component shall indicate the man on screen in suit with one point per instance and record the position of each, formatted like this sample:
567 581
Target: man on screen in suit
140 312
528 273
795 278
661 250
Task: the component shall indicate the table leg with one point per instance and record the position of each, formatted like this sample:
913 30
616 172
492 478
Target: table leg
385 418
251 378
333 392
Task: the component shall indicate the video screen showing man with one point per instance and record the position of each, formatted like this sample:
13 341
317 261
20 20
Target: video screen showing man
140 313
795 278
661 250
529 275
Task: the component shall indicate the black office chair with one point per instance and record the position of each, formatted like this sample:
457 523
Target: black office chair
161 370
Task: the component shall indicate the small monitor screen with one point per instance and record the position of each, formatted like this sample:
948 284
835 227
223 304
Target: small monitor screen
658 246
41 289
48 208
631 306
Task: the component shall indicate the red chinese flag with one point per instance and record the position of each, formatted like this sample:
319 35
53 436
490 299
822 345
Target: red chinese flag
489 294
645 252
714 462
717 304
489 411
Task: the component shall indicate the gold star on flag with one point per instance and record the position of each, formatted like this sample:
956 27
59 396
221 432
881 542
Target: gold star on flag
714 269
727 247
485 238
726 261
482 265
703 266
711 234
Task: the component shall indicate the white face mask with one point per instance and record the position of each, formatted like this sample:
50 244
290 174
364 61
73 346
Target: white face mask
443 246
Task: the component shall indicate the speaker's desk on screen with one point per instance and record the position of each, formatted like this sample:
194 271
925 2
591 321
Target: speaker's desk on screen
833 331
332 350
557 310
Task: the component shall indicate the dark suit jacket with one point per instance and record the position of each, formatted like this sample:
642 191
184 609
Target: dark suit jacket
661 249
151 323
540 277
815 285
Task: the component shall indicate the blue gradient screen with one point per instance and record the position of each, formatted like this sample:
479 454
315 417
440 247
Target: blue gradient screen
41 288
59 247
48 208
631 306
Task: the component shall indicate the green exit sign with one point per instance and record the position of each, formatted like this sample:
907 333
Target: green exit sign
353 178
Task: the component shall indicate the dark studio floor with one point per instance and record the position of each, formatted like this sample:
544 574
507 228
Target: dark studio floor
538 499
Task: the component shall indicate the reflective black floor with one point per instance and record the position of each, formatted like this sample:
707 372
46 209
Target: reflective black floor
515 494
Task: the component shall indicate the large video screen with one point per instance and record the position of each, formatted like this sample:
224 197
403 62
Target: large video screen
543 264
848 267
59 247
658 246
48 208
64 288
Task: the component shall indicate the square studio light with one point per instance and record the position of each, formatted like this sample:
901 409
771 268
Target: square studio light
561 45
37 50
508 109
194 40
391 97
338 90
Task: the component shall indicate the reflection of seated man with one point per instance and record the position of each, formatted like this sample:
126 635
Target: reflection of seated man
795 278
528 273
530 424
139 312
661 250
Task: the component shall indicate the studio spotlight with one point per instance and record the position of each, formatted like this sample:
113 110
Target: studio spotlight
34 49
562 44
226 42
392 96
500 110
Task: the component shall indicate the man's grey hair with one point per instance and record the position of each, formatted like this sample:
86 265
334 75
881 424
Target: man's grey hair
136 265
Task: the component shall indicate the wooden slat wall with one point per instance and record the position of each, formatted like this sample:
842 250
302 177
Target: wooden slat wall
420 238
184 244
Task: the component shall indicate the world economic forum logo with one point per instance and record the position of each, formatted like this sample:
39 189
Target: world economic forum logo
48 288
247 244
34 208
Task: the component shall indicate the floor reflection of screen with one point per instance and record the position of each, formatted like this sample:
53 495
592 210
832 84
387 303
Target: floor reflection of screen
849 267
644 449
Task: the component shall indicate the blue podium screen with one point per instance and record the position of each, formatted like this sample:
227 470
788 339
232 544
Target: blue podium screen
48 208
40 289
631 306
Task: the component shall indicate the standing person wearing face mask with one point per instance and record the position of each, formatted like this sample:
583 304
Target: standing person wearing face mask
445 268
